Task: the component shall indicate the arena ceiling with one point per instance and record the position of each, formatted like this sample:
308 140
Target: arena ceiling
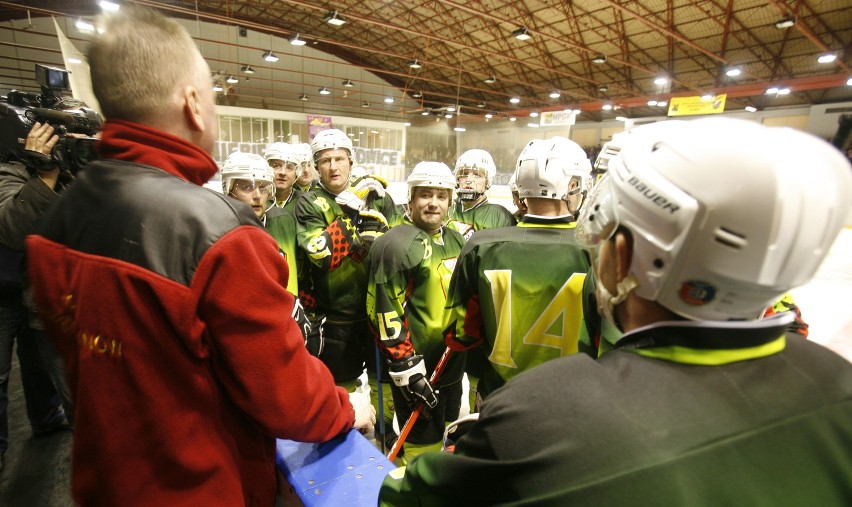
579 55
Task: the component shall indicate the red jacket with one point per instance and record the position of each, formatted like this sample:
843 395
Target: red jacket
169 305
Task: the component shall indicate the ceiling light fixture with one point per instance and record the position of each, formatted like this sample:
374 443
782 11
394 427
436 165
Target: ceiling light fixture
599 59
603 88
347 83
661 80
733 72
71 59
652 102
751 109
269 56
415 64
407 124
365 104
849 82
490 80
109 6
480 105
512 118
417 94
232 80
425 112
217 87
707 97
388 100
827 58
296 41
451 109
555 94
84 26
247 69
303 96
785 22
662 103
448 116
459 129
334 18
515 99
533 125
606 107
522 34
488 116
324 91
534 114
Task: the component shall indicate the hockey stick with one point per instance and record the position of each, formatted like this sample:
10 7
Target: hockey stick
379 393
406 429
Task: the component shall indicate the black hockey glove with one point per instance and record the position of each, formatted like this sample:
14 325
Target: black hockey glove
409 375
371 225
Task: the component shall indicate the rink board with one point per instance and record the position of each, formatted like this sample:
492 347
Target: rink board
347 470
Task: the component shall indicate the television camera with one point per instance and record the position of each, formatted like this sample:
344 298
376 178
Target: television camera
20 110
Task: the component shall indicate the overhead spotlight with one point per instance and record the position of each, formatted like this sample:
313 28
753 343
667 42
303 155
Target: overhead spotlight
751 109
451 109
661 80
603 88
247 69
269 56
490 80
334 18
388 100
365 104
489 115
773 90
599 59
480 105
417 94
785 22
347 83
784 91
515 99
555 94
232 80
324 91
606 107
827 58
733 72
296 41
448 116
303 96
425 112
522 34
415 64
217 87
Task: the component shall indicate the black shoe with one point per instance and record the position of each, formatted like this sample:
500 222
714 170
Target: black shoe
49 429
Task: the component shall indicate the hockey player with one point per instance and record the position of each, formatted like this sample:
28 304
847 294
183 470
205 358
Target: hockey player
515 296
286 162
249 179
519 203
409 272
475 172
335 229
308 179
700 403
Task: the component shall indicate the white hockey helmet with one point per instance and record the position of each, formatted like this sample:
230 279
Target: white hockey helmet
546 167
245 166
330 139
285 152
722 220
433 175
477 159
304 150
513 182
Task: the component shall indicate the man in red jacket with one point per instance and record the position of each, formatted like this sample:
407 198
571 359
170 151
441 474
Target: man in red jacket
169 302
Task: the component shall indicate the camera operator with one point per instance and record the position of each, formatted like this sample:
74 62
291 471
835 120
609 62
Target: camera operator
25 194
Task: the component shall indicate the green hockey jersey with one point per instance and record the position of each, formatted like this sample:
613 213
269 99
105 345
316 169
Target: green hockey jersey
484 215
282 226
409 273
516 297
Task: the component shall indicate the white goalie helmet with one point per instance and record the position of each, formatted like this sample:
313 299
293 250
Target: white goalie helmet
433 175
722 219
245 166
330 139
477 159
546 167
285 152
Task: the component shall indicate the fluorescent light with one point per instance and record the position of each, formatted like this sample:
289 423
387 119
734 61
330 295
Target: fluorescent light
827 58
515 99
296 41
733 72
334 18
785 22
247 69
599 59
555 94
490 80
232 80
347 83
459 129
661 80
415 64
522 34
109 6
388 100
750 109
324 91
269 56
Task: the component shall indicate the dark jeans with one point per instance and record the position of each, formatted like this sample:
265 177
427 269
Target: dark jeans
42 400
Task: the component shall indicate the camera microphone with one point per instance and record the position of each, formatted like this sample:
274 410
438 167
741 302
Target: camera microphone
52 115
